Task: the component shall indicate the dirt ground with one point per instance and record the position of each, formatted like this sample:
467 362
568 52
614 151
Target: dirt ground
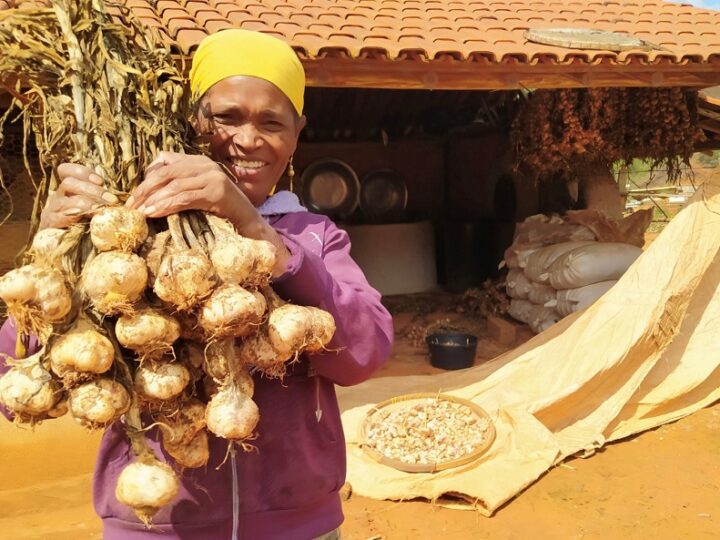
661 484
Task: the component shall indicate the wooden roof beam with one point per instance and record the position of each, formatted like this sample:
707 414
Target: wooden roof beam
456 75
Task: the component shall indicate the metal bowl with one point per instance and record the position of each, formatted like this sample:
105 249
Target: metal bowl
330 187
452 350
383 196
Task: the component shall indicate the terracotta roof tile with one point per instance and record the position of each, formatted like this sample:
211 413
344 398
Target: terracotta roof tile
144 12
175 25
469 30
153 22
251 24
195 6
168 14
205 16
226 8
216 25
134 4
188 38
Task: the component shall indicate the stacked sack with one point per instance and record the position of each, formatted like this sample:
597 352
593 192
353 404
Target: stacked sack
557 265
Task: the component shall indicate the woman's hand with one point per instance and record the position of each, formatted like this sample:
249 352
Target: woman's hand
175 182
79 194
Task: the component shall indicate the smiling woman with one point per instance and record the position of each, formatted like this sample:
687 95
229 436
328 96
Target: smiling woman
249 91
249 111
252 127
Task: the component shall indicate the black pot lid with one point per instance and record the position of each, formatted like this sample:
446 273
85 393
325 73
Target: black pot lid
383 195
330 187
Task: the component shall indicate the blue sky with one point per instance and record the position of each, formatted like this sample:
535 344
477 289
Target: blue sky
709 4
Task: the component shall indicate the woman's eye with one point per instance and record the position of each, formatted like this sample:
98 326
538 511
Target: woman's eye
274 124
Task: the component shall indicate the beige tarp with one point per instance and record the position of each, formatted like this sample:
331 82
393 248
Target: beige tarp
648 352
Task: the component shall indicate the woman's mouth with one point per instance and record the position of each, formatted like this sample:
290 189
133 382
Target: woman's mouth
244 167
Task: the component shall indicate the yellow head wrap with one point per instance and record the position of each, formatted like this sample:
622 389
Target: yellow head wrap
253 54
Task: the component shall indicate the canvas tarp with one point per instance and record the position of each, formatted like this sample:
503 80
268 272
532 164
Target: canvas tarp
646 353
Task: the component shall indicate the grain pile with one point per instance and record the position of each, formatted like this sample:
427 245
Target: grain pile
427 431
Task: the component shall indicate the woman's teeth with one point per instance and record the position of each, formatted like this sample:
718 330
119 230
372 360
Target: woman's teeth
248 164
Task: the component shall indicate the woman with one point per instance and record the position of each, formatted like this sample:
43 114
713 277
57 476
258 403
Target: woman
250 89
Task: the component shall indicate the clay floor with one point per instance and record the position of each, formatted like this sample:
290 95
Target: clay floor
661 484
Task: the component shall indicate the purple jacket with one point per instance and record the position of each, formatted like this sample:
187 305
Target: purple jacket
287 488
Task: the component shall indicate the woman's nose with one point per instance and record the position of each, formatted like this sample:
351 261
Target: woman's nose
247 137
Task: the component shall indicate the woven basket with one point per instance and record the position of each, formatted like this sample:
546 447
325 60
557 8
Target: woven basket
402 402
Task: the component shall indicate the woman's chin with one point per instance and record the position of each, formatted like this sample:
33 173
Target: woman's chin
256 184
255 193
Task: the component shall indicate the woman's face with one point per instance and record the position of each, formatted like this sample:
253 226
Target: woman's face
253 129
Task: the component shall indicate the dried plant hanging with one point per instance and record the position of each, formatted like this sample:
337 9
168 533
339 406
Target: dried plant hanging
559 133
92 86
158 316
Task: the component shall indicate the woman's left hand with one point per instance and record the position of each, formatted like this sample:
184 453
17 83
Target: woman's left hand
175 182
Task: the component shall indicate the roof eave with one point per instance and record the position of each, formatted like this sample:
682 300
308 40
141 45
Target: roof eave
511 73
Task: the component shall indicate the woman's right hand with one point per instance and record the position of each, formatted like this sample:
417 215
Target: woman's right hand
79 194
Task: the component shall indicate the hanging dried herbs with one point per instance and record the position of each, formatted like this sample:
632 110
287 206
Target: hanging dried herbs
562 132
92 86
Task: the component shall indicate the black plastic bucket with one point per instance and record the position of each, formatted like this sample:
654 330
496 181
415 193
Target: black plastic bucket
451 350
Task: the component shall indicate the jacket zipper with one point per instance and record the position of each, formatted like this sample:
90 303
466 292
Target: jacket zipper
233 462
235 496
318 409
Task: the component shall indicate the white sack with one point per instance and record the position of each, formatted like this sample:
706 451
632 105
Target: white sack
520 310
541 229
542 318
541 259
593 263
517 284
572 300
541 294
516 256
